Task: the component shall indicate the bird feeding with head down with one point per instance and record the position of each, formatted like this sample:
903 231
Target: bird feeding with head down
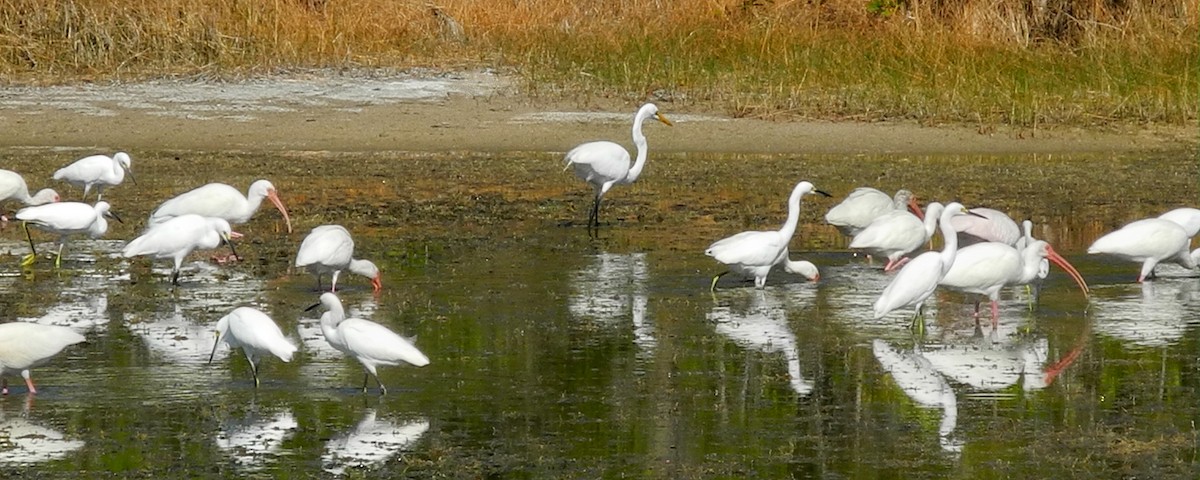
918 278
13 187
26 345
1149 241
753 253
330 249
219 200
256 334
604 164
368 342
97 171
64 219
179 236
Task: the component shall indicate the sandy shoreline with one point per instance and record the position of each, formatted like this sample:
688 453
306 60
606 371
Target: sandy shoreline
476 111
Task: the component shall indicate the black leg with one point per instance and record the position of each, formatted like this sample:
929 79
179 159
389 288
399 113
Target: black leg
25 225
175 277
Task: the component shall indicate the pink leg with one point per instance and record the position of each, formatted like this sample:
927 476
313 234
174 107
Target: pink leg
4 386
995 314
28 381
901 262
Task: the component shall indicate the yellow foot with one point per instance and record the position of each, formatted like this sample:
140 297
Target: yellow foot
28 260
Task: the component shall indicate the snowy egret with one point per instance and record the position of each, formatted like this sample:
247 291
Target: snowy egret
177 237
1149 241
987 267
753 253
219 200
898 233
13 187
27 345
604 164
64 219
97 171
256 333
987 225
328 248
368 342
864 204
917 280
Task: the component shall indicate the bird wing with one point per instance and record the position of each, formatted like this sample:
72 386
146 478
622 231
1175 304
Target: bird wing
859 208
11 185
895 231
255 329
599 162
167 238
86 169
213 200
28 344
1149 238
996 227
370 340
60 216
912 284
983 265
749 248
329 245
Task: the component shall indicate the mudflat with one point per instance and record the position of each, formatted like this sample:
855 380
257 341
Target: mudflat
477 111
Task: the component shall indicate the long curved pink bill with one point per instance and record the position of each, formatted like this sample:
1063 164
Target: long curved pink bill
1062 263
916 208
271 195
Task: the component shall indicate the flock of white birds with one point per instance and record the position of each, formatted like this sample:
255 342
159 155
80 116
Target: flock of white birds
894 227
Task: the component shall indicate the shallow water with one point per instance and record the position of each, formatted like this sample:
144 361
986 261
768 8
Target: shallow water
555 354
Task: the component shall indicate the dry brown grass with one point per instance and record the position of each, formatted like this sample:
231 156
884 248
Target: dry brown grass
1025 62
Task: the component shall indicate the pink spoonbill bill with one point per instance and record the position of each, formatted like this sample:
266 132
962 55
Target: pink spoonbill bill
368 342
27 345
604 164
753 253
97 171
177 237
64 219
256 334
219 200
329 249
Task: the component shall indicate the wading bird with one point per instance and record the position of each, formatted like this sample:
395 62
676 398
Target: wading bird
256 334
64 219
177 237
328 249
12 187
97 171
898 233
987 267
753 253
1188 218
219 200
604 164
864 204
1148 241
368 342
27 345
917 280
803 268
987 225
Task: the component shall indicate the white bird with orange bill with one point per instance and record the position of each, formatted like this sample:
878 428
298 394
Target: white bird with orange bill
218 200
987 267
13 187
1149 241
330 249
26 345
865 204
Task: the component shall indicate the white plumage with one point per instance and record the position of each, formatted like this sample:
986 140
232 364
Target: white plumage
27 345
1148 241
987 225
368 342
898 233
917 280
219 200
65 219
178 237
330 249
864 205
13 187
256 334
97 171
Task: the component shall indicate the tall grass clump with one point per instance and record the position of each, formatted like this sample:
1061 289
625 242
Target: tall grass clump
1017 61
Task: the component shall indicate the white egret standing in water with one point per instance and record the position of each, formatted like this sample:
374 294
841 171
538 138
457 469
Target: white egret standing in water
64 219
329 249
368 342
256 334
97 171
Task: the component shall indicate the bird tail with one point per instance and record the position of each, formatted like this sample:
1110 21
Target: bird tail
284 350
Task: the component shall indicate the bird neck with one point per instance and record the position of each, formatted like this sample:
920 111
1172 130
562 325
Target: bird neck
793 218
950 239
1031 261
639 141
254 200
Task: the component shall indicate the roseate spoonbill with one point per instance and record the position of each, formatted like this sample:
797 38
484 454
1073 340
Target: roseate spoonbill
328 249
754 253
12 187
987 225
604 164
27 345
368 342
219 200
1149 241
898 233
987 267
97 171
864 204
917 279
1188 218
177 237
64 219
256 333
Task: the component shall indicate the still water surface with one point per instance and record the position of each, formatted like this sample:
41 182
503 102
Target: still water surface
558 355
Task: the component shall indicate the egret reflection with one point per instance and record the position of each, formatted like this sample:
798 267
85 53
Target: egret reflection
762 326
922 383
23 442
612 288
254 440
370 442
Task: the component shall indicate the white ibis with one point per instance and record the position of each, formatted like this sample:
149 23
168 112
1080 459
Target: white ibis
97 171
26 345
368 342
1148 241
987 267
219 200
898 233
13 187
864 204
329 249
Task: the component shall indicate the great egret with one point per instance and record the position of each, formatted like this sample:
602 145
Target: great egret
255 333
604 164
368 342
177 237
753 253
219 200
328 249
64 219
97 171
